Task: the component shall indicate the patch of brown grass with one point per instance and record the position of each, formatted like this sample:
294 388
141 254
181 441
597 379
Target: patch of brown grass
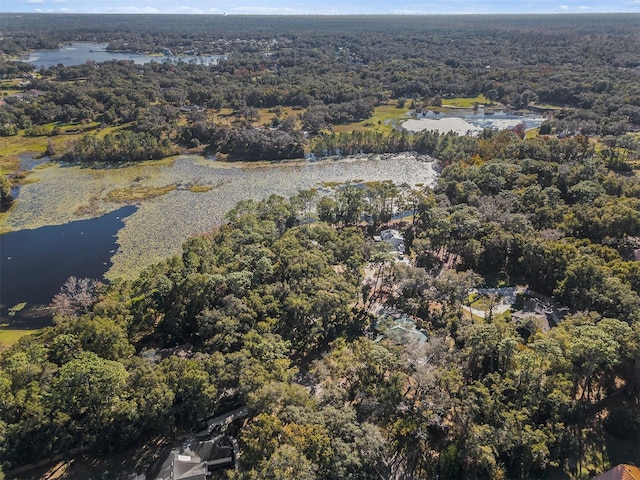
137 194
200 188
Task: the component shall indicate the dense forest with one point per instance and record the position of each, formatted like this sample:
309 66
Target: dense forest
330 71
276 309
268 298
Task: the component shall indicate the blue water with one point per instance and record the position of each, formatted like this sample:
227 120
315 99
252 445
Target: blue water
35 263
27 163
82 52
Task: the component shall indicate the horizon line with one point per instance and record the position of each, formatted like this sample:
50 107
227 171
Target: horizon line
408 14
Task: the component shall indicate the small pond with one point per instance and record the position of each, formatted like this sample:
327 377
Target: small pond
82 52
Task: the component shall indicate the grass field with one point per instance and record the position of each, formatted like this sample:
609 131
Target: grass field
381 121
549 106
531 133
268 114
10 87
8 337
465 102
12 147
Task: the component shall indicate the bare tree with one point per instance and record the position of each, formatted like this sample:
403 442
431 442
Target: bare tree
76 297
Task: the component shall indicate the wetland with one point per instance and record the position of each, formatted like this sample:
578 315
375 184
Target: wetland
174 199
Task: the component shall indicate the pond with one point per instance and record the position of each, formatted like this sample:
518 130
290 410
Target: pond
463 121
195 194
35 263
81 52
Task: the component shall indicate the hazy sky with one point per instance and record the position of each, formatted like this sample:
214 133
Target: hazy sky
293 7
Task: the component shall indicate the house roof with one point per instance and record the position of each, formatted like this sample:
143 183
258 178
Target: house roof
182 465
389 234
219 423
403 335
194 460
620 472
399 327
35 92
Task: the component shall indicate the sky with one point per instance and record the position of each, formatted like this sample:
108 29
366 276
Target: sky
322 7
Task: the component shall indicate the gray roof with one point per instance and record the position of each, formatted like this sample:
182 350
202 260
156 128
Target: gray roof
182 465
193 460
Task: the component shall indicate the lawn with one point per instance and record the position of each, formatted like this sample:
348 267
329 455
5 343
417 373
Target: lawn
268 114
531 133
549 106
8 336
10 87
383 117
12 147
484 302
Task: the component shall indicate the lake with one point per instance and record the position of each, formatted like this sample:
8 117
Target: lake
35 263
63 205
81 52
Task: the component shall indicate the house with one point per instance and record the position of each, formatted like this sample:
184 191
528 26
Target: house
182 465
209 450
398 327
402 335
620 472
393 238
35 93
191 108
197 459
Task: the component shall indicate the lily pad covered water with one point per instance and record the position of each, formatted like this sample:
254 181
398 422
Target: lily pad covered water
170 209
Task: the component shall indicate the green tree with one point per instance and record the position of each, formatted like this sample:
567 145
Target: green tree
195 395
5 192
287 463
350 205
89 390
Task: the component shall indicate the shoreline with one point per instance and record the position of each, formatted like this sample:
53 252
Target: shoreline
62 193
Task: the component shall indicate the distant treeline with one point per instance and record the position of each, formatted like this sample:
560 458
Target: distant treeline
334 70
